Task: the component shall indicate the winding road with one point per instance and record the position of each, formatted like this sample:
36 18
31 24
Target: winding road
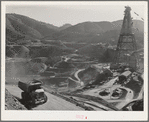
78 79
128 98
122 102
95 92
56 103
53 103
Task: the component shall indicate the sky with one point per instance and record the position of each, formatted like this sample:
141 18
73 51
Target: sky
60 13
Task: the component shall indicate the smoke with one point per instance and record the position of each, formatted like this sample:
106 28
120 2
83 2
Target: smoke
15 69
19 71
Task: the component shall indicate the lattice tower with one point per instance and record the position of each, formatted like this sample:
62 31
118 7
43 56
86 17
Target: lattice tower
126 43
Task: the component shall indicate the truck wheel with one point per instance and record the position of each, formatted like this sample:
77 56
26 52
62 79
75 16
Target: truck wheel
24 98
23 94
45 98
33 101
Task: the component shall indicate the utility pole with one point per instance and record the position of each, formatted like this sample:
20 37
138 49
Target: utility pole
126 43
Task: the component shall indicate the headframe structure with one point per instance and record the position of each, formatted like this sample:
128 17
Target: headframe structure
126 43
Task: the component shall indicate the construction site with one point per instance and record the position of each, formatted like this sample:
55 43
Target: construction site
75 81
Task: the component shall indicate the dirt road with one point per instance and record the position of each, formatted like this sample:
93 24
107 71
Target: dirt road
53 103
122 103
128 98
78 79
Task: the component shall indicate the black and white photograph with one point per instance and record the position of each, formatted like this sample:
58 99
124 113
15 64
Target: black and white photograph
74 60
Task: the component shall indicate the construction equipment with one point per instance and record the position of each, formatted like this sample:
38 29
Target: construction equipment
126 43
32 93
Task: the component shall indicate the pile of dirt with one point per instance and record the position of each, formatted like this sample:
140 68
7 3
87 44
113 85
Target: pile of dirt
88 75
11 103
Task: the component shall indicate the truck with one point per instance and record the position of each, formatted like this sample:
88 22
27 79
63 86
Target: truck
32 93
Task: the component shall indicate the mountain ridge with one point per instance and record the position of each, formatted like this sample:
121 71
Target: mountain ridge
20 27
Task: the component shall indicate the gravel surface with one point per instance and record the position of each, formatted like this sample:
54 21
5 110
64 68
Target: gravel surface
11 103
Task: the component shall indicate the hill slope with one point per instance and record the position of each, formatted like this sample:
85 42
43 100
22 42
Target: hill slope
23 29
103 26
96 32
19 26
65 26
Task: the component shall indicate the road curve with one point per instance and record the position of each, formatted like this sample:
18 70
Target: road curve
76 76
53 103
128 98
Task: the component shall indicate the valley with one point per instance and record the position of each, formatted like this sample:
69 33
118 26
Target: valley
69 78
74 63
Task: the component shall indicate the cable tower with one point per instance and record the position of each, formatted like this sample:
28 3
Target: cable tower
126 43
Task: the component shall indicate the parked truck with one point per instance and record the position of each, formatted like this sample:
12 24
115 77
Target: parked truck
32 93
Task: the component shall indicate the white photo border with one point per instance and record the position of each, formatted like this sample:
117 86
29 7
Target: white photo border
11 115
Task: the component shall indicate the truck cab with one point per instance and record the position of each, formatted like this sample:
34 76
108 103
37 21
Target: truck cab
32 93
38 96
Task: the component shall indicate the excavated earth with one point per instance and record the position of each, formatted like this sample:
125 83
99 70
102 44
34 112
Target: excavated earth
11 103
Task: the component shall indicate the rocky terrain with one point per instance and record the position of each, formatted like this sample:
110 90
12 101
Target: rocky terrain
11 103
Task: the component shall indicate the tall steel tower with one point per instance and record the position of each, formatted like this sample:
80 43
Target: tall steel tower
126 43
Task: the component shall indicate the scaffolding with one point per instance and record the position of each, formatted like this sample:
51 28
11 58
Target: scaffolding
126 43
